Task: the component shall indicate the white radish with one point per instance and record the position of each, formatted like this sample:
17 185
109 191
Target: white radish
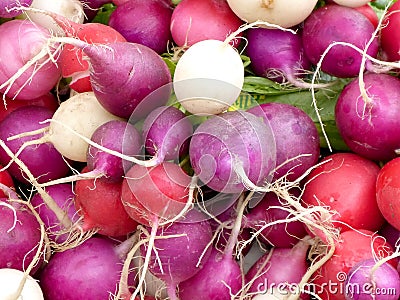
352 3
209 77
285 13
10 280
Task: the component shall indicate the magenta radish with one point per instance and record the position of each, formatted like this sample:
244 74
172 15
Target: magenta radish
391 234
367 123
368 279
190 17
26 72
333 23
91 270
99 204
43 161
240 147
208 77
277 266
10 282
63 195
277 55
20 236
10 8
166 132
285 13
296 137
144 22
284 233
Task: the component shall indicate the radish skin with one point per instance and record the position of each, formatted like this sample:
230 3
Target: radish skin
9 284
352 3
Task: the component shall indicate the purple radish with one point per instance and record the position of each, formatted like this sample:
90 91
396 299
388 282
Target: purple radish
335 23
369 126
296 137
43 161
227 149
9 8
19 236
365 281
144 22
91 270
63 195
118 136
166 132
277 55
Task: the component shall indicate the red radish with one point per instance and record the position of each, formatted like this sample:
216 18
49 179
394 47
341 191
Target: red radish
166 133
240 147
6 180
26 72
190 17
365 281
370 13
367 120
296 137
390 36
285 13
390 233
44 161
89 271
352 247
10 285
99 203
341 60
345 182
10 8
387 191
64 196
144 22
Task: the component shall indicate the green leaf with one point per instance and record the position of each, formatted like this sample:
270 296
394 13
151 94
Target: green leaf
103 14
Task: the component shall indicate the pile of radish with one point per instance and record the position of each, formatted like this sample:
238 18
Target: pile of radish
200 149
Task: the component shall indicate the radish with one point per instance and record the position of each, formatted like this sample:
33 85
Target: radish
190 17
10 8
26 72
63 195
390 38
240 146
166 132
285 13
10 286
44 161
339 60
368 279
352 3
144 22
99 204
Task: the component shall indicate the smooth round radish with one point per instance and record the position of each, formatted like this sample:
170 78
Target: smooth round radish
121 87
43 161
90 270
335 23
387 191
181 257
11 8
208 77
296 137
368 126
283 13
19 236
219 278
144 22
269 209
351 248
116 135
151 194
10 280
345 182
389 35
83 114
70 9
371 15
191 17
364 281
277 266
352 3
20 78
63 195
277 55
99 203
240 147
166 132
